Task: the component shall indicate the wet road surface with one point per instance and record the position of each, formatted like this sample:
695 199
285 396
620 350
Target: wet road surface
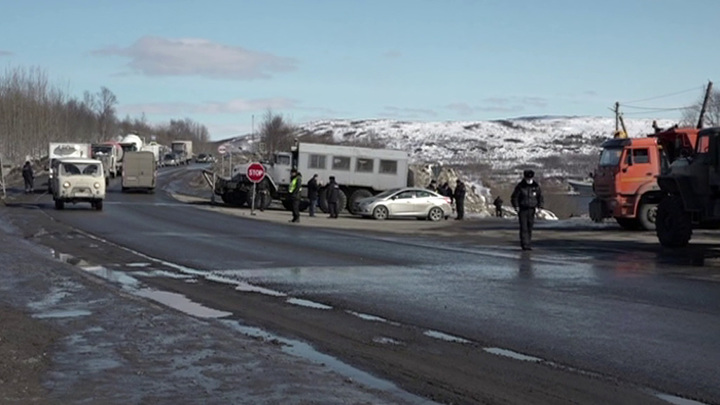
596 313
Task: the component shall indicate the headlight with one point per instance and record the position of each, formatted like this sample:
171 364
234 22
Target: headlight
66 184
96 185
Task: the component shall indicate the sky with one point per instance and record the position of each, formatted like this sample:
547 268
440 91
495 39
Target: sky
226 64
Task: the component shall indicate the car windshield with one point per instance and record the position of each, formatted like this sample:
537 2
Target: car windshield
169 157
610 157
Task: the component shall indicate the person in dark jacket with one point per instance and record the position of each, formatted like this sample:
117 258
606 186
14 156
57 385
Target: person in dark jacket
28 176
295 189
333 196
445 190
459 197
432 186
526 199
498 206
313 188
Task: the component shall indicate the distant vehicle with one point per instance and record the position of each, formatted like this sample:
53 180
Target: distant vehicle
204 158
183 151
170 160
139 171
78 180
405 202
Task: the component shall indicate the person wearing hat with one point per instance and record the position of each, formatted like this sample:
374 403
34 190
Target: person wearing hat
526 199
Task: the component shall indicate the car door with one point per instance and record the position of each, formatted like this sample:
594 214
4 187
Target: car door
422 203
402 203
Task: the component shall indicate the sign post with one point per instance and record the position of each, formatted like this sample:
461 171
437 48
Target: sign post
255 173
222 150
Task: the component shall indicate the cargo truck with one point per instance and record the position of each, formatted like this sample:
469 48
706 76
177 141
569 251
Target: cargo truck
183 151
360 172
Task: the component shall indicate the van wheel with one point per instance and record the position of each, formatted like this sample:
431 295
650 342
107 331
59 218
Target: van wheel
59 205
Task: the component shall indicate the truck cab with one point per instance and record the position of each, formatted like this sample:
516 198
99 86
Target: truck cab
79 180
625 180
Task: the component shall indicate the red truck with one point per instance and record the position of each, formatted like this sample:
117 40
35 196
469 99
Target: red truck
625 180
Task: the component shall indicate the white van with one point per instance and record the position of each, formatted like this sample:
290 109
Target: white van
139 171
79 180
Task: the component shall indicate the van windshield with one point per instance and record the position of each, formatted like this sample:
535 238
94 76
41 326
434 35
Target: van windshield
77 169
610 156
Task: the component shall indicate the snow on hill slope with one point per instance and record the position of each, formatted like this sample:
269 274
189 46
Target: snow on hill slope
501 144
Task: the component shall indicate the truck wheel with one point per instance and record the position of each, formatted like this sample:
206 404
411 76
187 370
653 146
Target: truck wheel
380 212
356 196
647 214
59 204
673 224
322 201
98 205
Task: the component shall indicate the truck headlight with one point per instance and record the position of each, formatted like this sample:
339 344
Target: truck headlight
66 184
96 185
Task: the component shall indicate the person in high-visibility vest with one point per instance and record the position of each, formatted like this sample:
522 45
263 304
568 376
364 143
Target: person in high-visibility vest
295 189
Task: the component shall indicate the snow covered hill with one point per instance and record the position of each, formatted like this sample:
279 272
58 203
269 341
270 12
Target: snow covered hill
501 145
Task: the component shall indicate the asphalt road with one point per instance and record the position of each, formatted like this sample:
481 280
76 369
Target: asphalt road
603 313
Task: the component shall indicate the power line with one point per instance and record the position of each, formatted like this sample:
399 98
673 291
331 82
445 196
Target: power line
665 95
656 108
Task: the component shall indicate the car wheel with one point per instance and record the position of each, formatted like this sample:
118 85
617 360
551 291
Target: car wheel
436 214
380 212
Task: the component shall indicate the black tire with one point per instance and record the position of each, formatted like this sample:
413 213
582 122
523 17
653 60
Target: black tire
647 215
59 204
355 196
435 214
98 205
673 224
322 201
630 224
380 212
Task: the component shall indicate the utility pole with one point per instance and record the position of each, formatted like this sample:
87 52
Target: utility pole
617 116
252 133
704 105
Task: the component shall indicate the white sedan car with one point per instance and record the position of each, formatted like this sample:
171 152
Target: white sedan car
405 202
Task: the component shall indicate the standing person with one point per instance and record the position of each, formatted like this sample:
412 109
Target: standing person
313 187
526 198
432 186
333 195
294 189
444 190
263 192
498 206
28 176
459 197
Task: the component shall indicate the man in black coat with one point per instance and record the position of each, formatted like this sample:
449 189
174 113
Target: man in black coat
28 177
498 206
333 196
459 197
526 199
313 188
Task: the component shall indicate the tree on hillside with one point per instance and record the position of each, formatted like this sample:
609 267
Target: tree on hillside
276 134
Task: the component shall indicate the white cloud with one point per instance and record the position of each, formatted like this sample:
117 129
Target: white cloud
154 56
228 107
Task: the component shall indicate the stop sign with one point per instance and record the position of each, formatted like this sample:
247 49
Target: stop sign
255 172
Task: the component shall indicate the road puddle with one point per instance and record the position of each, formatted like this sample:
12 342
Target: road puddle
63 314
181 303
